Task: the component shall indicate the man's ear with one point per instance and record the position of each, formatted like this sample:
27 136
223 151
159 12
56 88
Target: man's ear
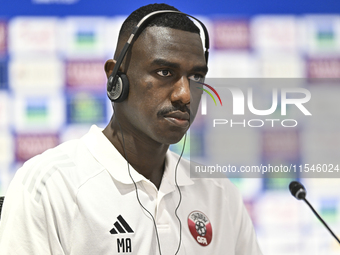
108 67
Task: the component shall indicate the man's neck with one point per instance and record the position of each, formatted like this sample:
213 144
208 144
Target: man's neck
145 156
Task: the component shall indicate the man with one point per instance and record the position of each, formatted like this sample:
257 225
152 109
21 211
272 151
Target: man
82 197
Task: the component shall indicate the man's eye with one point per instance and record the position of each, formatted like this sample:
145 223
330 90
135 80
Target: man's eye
197 78
165 73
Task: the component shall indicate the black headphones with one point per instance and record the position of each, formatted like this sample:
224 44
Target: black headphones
118 83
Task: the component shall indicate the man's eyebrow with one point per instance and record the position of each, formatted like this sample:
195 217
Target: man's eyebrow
163 62
200 69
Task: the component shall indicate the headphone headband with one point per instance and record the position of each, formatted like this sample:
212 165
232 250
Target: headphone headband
114 77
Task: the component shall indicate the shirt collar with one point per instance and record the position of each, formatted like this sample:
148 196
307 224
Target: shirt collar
183 177
107 155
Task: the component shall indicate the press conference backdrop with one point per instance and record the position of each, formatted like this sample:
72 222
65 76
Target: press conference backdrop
52 88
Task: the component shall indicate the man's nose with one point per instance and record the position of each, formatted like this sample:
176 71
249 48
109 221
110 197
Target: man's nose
181 91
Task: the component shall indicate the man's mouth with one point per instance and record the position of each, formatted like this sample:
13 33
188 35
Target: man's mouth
178 118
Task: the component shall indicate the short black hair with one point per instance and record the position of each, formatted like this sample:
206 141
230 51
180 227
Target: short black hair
170 20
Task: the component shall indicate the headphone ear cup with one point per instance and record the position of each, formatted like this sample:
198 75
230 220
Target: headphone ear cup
119 91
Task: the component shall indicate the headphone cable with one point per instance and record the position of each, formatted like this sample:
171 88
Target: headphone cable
180 195
137 195
136 189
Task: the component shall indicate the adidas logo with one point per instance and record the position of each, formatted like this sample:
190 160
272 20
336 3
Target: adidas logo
121 226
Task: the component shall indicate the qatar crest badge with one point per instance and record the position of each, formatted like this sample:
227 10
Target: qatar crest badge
200 228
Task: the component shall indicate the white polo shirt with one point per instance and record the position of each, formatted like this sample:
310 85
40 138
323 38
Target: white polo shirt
79 199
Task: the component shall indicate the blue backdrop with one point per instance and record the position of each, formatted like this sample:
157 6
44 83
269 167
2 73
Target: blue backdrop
198 7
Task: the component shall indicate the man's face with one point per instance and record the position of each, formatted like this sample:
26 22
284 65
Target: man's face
162 62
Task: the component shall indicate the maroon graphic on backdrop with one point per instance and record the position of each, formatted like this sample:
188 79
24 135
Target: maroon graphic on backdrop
232 34
30 145
323 68
3 37
88 75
